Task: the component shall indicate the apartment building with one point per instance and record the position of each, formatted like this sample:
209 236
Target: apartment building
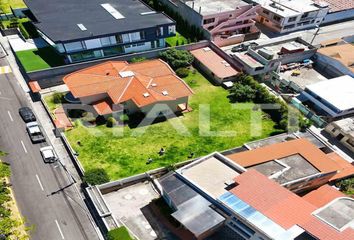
343 131
290 15
85 30
217 191
221 20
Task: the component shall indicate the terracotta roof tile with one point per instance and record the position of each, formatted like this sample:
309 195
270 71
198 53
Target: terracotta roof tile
322 195
103 107
153 77
345 169
284 207
214 63
280 150
342 53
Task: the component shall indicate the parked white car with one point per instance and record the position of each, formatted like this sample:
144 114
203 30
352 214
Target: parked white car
48 154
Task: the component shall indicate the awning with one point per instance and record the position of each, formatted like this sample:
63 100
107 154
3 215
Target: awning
34 86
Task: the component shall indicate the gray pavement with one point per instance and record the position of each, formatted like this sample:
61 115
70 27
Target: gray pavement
44 192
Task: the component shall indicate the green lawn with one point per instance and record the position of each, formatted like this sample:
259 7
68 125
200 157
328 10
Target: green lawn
38 59
125 156
172 40
5 5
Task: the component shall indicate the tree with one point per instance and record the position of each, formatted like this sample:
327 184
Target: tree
242 93
177 58
96 176
182 72
58 97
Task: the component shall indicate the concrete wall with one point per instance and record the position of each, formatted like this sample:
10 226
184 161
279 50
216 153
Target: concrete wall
54 76
339 16
331 66
167 107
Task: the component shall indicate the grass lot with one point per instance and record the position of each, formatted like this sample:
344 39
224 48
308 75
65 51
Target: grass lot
172 40
5 5
38 59
127 155
120 233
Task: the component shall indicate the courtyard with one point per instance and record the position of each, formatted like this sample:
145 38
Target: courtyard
123 155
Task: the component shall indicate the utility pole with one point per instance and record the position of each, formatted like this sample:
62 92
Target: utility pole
315 34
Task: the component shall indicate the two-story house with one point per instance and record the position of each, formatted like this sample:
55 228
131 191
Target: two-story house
84 30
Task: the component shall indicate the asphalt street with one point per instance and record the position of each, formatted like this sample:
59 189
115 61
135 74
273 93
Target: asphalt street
44 192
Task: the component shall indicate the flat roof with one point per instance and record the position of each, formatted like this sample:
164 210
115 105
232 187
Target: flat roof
286 169
209 7
59 20
338 213
346 125
249 60
214 62
275 48
193 210
213 174
303 147
288 8
339 91
342 53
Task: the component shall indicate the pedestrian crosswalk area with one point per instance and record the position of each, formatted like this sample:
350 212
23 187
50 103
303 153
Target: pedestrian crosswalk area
5 69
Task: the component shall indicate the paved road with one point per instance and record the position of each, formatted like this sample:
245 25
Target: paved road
43 192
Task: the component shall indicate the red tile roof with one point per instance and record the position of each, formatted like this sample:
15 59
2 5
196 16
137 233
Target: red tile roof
284 207
322 195
103 107
324 163
151 78
214 63
338 5
34 86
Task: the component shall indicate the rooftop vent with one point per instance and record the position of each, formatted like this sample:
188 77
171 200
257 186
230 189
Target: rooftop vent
207 49
165 93
126 74
82 27
146 95
147 13
153 85
111 10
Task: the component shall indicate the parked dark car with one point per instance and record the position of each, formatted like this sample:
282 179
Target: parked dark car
27 115
244 46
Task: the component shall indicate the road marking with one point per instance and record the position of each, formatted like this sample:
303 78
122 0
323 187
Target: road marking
24 147
8 112
61 233
5 69
39 181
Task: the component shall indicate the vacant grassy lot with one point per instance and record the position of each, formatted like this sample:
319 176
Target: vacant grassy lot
38 59
5 5
173 40
127 155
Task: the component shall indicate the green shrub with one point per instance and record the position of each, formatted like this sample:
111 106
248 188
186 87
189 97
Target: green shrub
137 59
96 176
88 117
120 233
111 121
242 93
58 97
124 118
182 72
177 58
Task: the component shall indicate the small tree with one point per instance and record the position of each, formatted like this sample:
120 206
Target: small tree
96 176
177 42
242 93
182 72
111 121
177 58
58 97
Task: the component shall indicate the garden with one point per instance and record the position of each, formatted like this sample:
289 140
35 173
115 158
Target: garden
120 156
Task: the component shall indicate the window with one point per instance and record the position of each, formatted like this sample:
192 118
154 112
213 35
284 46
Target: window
266 12
74 46
113 51
305 15
277 18
119 38
292 19
210 20
350 142
289 26
108 41
159 31
142 35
